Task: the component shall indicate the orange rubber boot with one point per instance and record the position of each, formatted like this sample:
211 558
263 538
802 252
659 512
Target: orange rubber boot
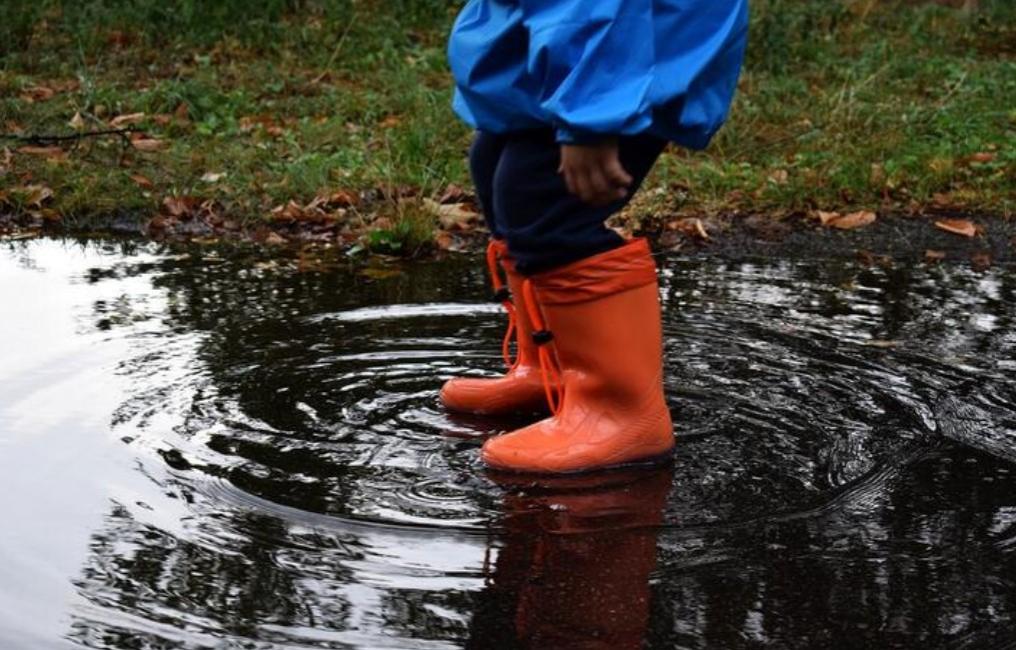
600 348
521 387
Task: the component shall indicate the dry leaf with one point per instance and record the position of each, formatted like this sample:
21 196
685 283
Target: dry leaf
941 199
36 195
52 153
690 227
77 122
291 211
455 215
825 218
982 157
390 122
142 181
933 255
443 241
275 239
148 144
179 206
453 194
212 177
854 220
342 199
779 177
37 94
125 120
960 227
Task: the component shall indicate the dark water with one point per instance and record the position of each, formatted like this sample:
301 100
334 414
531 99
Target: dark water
209 451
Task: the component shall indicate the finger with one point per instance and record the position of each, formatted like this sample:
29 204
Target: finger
602 190
570 181
583 188
617 173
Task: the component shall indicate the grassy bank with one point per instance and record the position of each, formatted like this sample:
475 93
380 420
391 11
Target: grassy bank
333 115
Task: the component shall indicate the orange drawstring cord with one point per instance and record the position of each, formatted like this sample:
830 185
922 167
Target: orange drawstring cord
549 368
502 295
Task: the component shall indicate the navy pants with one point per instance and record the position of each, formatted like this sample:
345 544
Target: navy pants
526 202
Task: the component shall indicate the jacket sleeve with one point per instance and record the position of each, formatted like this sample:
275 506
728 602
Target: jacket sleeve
594 63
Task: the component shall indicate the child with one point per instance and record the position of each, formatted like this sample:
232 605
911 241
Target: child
573 101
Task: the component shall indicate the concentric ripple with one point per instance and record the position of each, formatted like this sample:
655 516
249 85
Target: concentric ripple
284 476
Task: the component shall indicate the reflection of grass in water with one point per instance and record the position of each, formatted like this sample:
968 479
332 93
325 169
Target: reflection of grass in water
843 104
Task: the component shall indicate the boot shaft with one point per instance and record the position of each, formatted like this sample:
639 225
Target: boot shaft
604 316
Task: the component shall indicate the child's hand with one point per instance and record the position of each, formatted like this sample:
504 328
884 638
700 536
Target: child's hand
594 172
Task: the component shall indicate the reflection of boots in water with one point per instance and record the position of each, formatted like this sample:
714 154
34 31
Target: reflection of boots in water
574 569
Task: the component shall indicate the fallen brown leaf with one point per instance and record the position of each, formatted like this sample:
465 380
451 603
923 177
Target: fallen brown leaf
126 120
443 241
142 181
941 199
854 220
390 122
47 214
148 144
690 227
291 211
343 199
179 206
825 218
77 122
982 157
933 255
453 194
34 195
779 177
961 227
275 239
37 94
457 216
52 153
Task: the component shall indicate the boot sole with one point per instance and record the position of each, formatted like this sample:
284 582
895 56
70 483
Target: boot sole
649 461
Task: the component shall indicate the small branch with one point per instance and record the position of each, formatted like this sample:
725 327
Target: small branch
72 137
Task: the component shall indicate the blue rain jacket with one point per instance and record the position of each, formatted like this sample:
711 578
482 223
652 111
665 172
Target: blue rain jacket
591 68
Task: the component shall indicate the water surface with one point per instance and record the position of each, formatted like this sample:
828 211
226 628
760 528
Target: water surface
211 449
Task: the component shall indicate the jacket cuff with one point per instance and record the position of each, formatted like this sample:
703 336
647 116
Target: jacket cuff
566 135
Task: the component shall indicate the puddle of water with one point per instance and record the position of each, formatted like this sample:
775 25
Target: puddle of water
209 451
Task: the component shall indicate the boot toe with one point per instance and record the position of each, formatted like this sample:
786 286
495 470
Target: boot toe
494 396
529 449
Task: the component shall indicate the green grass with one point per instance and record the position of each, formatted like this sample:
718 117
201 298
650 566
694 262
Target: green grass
843 105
